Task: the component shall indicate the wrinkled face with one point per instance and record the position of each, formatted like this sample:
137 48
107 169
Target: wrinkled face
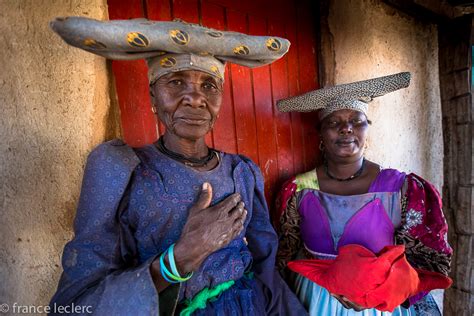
344 134
187 102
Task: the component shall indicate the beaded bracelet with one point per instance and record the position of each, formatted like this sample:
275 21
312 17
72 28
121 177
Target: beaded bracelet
174 276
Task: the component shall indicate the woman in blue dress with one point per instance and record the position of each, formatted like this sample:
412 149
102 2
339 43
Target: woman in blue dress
174 227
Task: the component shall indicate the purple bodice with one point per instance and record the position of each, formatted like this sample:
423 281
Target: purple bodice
329 221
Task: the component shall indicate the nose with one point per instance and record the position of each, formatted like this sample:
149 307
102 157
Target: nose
346 128
194 96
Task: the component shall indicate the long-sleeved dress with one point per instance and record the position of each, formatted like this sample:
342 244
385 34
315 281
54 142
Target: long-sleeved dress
133 206
397 209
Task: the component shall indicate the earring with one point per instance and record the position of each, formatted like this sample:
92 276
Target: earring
321 146
366 145
153 109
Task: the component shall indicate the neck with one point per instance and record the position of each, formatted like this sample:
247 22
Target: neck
188 148
343 170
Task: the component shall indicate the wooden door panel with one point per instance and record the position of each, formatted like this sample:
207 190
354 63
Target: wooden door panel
139 125
279 76
244 111
186 10
263 100
213 16
249 123
159 10
277 9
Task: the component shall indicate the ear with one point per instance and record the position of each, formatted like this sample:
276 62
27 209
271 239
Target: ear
152 95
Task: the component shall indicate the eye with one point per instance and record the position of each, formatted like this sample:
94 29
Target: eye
210 86
332 123
359 121
176 82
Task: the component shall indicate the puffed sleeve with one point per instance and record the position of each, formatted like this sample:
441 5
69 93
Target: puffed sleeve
263 244
99 276
424 228
289 225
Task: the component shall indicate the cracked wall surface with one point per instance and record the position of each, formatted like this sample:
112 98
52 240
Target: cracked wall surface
372 39
54 105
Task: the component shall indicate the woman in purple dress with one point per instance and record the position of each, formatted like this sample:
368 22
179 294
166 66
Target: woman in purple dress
173 228
351 200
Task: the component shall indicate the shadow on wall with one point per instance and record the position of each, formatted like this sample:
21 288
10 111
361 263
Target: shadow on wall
55 106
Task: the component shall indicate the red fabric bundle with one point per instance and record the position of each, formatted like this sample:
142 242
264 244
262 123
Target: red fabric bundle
382 281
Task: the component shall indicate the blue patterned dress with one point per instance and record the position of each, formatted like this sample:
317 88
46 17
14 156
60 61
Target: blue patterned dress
133 206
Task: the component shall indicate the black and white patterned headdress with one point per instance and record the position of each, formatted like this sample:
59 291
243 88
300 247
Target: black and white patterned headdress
352 96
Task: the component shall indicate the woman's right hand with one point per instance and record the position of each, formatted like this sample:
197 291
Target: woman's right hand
208 229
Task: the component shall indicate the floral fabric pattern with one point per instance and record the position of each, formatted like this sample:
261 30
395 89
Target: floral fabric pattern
423 228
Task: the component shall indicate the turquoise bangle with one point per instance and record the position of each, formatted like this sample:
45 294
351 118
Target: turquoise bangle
174 276
164 270
174 269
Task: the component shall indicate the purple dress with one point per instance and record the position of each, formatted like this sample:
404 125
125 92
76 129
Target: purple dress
329 221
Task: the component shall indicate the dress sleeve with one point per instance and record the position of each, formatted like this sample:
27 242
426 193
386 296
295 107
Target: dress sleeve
99 276
290 241
263 244
424 229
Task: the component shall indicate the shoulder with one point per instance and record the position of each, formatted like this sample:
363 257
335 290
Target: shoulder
418 179
416 185
115 154
302 181
391 171
307 180
388 180
239 159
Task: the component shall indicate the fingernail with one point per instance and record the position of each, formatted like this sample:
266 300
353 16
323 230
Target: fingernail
205 186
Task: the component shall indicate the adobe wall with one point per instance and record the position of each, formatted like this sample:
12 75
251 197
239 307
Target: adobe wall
371 39
54 107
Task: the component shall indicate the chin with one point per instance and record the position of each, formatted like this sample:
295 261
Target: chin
192 136
348 154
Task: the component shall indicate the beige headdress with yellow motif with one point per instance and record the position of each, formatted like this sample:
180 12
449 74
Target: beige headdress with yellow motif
169 46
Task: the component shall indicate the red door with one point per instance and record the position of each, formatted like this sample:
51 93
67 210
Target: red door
282 144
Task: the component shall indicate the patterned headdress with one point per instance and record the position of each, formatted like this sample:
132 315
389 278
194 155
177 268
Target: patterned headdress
352 96
169 46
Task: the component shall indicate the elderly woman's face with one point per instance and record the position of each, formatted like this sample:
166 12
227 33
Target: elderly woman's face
344 134
187 102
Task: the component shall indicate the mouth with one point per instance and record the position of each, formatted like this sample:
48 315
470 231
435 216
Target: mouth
345 142
193 120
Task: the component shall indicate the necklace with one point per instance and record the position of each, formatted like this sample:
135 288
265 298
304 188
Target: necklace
355 175
188 161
